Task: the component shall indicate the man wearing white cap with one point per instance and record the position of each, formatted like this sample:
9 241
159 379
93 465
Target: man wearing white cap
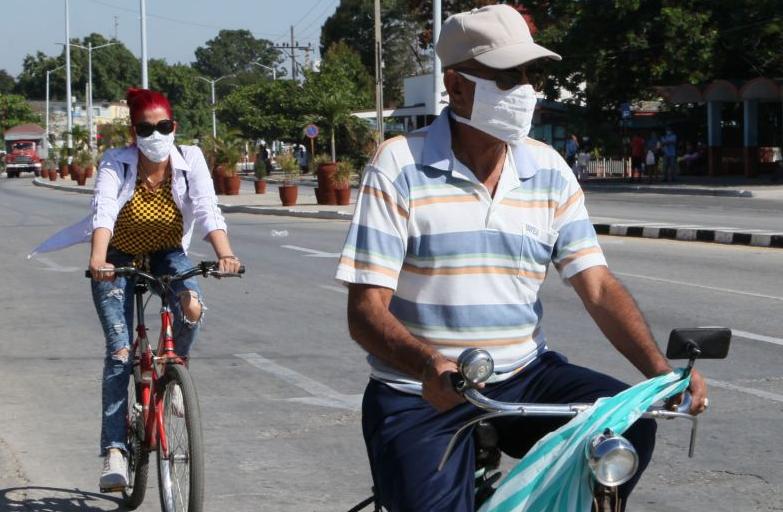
452 237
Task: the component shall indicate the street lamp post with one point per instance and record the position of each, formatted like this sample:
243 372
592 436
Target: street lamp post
273 70
143 9
212 84
90 49
48 72
68 110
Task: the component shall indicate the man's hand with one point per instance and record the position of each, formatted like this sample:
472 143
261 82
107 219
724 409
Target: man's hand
698 389
436 386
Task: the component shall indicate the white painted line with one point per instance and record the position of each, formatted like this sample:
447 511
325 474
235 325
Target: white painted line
313 253
53 266
757 337
322 394
750 391
338 289
693 285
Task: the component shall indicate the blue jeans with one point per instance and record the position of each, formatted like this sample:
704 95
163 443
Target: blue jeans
114 302
406 436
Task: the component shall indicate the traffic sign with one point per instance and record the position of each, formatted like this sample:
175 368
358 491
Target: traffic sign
311 131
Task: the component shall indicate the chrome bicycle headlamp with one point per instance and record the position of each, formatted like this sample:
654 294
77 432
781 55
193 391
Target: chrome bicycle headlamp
612 459
475 365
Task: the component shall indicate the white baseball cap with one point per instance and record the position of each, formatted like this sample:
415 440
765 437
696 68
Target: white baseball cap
496 36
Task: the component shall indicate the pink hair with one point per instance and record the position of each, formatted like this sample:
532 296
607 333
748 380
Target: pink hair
141 100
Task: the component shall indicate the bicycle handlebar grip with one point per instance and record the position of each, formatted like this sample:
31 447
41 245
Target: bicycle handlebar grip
88 274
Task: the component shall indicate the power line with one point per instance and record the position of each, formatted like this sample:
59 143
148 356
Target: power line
320 15
308 13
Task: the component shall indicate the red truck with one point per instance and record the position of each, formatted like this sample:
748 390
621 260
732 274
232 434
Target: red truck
23 145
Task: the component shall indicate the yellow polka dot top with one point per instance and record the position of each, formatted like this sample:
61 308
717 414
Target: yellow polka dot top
150 221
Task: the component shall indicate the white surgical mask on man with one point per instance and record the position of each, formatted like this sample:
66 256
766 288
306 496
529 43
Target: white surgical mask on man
506 115
157 146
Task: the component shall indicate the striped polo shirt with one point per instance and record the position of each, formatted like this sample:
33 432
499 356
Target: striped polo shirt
465 266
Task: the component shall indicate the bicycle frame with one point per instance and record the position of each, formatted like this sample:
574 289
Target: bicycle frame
148 369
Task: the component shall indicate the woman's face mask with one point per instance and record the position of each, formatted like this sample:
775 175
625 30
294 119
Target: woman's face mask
506 115
157 146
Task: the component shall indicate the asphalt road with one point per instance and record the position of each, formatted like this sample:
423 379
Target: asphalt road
727 212
279 379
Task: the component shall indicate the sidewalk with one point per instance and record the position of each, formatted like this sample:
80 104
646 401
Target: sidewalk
726 186
269 204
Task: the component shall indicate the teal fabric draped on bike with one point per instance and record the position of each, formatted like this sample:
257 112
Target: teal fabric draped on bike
554 475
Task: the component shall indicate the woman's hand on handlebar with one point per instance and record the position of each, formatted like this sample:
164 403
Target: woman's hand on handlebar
436 384
101 270
229 264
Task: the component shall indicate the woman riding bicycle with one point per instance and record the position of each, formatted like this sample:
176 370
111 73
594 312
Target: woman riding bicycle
148 198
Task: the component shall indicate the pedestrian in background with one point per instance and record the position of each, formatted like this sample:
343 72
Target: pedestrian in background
637 155
653 147
669 143
571 148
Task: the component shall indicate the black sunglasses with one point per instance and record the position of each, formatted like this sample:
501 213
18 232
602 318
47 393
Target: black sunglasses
507 79
145 129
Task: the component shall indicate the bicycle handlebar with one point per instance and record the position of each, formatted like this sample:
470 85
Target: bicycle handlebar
205 268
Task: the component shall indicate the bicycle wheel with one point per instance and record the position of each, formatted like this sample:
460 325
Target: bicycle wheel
181 474
138 455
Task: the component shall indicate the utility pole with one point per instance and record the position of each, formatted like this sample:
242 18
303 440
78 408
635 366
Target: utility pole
49 72
436 67
292 47
116 24
378 71
144 81
68 110
293 58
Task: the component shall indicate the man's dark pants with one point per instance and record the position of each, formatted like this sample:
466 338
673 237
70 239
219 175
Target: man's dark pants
406 437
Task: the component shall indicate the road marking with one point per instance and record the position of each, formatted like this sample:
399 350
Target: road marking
757 337
338 289
313 253
53 266
713 288
750 391
323 395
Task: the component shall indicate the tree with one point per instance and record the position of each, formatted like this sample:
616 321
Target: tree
14 111
233 51
114 69
353 24
7 82
341 87
189 97
268 109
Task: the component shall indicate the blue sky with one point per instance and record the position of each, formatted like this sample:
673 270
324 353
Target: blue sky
175 28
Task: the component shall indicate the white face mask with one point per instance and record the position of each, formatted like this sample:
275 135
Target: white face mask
506 115
157 146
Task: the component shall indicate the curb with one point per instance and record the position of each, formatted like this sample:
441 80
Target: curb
668 190
68 188
690 234
685 234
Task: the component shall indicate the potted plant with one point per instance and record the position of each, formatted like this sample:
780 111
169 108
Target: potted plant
64 161
325 171
289 190
210 146
342 183
81 160
228 157
260 171
89 166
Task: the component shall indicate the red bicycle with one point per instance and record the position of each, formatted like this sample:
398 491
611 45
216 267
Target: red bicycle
163 407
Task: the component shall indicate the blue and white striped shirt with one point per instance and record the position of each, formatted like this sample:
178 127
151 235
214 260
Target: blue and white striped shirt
465 266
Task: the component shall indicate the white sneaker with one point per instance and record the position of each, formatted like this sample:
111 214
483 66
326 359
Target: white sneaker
114 476
177 404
